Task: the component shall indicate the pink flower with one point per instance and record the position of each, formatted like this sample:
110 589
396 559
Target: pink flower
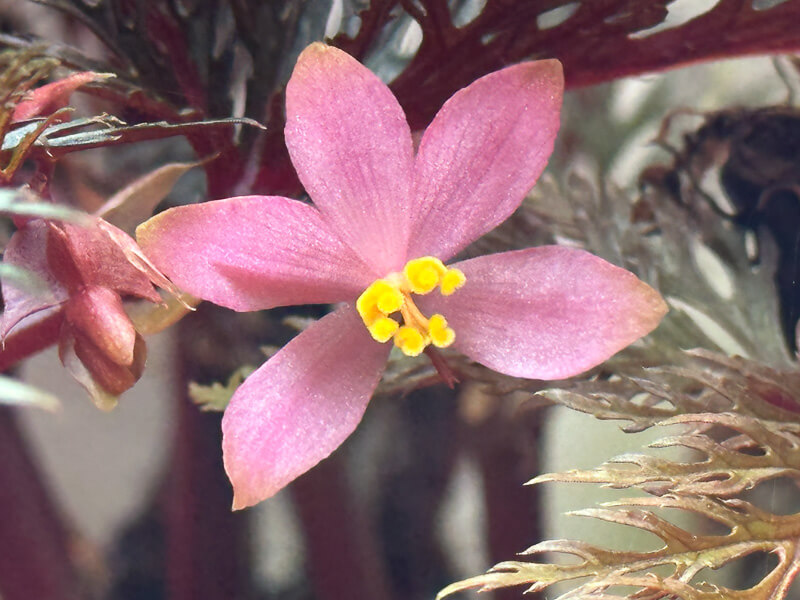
383 221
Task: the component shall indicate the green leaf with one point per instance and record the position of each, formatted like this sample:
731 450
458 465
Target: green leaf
23 279
15 392
215 397
734 422
742 426
106 130
16 202
686 554
136 202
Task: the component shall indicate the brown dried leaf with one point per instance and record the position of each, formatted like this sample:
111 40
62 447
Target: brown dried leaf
706 383
739 437
738 463
136 202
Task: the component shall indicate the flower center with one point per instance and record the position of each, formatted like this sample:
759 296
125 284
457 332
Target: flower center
394 292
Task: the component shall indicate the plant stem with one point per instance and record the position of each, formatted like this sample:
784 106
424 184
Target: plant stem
343 559
207 553
34 547
505 446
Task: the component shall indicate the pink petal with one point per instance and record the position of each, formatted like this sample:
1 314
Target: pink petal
27 249
351 146
482 153
300 406
253 253
81 256
136 258
548 312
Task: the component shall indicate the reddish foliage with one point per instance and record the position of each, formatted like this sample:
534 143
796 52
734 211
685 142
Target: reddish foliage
595 43
27 341
596 40
47 99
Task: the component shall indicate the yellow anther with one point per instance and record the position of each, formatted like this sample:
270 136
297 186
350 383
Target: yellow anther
390 301
368 303
383 328
369 297
424 274
394 293
441 335
410 341
452 280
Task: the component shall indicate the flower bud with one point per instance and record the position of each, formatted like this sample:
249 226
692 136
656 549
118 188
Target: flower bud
96 314
112 377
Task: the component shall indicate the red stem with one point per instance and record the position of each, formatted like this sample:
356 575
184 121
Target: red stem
343 559
504 446
28 341
34 547
207 553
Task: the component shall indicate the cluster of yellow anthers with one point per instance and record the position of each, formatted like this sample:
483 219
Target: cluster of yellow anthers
393 293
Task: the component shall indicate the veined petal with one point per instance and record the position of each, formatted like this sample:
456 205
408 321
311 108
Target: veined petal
547 313
482 153
136 259
27 249
300 406
253 253
351 146
81 256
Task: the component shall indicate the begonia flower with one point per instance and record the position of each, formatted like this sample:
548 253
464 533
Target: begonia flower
384 223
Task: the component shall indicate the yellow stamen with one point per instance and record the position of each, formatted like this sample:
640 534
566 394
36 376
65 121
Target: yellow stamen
390 301
383 329
452 280
369 303
413 317
424 274
410 341
369 298
441 335
394 292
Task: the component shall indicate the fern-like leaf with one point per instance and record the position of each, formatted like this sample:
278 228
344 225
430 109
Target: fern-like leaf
750 530
744 441
730 424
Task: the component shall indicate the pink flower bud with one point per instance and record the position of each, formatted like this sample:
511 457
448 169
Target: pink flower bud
96 313
112 377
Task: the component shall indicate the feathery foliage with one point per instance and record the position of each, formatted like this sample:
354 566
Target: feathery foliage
731 424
